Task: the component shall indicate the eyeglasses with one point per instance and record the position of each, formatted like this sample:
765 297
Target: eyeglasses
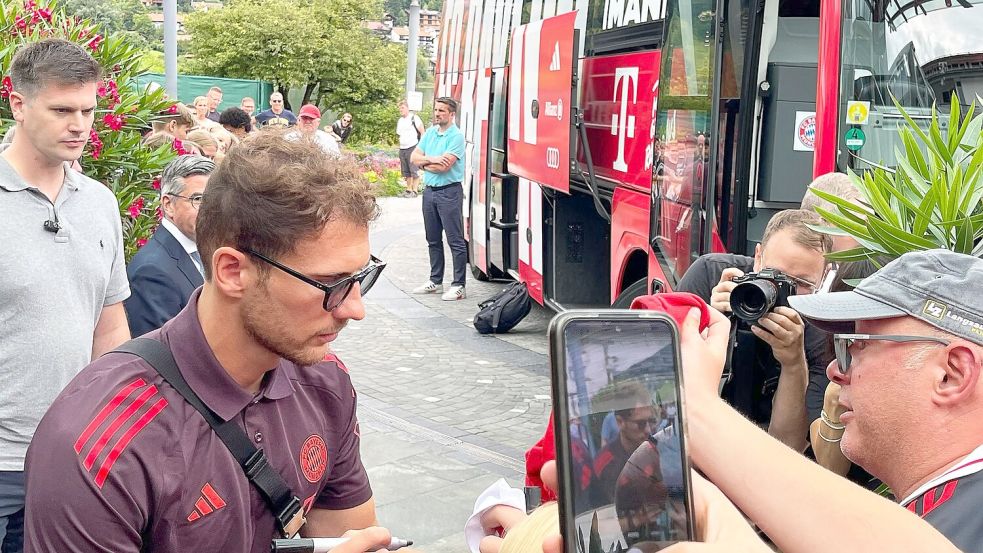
843 342
335 293
276 101
194 199
642 423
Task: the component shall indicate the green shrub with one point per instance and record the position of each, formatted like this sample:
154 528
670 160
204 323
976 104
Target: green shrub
933 199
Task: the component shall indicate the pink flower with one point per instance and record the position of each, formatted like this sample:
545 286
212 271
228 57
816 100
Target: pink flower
179 148
6 87
113 121
30 5
21 22
172 110
45 14
95 42
135 207
156 184
160 214
141 242
111 89
96 144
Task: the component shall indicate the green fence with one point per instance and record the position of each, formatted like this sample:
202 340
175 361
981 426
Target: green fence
233 90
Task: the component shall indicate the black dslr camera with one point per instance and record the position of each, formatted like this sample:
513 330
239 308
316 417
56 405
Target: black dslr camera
758 293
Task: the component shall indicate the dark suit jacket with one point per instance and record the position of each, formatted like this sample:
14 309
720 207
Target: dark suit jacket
162 278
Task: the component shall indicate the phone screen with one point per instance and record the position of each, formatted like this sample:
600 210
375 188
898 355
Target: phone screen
625 463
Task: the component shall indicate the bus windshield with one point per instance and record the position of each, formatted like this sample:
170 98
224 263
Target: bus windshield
919 52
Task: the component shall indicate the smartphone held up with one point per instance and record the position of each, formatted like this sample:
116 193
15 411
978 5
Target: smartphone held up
620 436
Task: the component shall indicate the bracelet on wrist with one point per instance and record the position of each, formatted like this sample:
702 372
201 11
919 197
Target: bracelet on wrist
829 440
829 422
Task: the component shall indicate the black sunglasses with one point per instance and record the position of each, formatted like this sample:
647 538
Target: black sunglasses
335 293
842 343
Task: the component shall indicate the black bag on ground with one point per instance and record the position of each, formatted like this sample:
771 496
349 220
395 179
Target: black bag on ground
504 310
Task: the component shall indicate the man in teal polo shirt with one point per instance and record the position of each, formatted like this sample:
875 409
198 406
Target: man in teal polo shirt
440 154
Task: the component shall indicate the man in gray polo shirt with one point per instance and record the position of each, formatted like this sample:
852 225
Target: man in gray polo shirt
62 275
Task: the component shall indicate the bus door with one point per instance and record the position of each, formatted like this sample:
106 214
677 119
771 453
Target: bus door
685 134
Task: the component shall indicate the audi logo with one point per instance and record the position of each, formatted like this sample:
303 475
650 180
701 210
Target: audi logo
553 158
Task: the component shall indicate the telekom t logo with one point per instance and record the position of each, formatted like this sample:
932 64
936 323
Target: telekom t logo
623 125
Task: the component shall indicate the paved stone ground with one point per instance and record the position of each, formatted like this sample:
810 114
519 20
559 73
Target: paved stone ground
444 411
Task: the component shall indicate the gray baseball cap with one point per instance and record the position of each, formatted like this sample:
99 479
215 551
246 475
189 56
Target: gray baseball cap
940 287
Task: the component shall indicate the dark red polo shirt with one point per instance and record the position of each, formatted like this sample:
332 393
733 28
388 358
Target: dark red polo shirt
122 463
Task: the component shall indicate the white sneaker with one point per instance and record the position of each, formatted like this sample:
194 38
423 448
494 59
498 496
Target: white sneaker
429 288
454 293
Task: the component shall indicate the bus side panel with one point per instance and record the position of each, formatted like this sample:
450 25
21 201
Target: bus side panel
531 237
619 99
451 51
629 233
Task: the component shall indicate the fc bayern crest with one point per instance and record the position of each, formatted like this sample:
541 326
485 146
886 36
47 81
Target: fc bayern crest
313 458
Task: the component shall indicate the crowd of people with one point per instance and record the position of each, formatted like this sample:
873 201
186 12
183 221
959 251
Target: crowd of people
231 422
206 131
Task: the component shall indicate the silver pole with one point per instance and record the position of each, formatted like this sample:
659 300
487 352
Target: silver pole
414 40
170 48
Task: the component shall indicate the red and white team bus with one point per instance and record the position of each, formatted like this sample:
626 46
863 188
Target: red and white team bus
611 142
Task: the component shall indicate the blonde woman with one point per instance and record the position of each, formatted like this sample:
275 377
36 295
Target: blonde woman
201 114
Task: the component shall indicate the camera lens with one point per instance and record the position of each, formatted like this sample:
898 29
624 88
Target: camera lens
753 299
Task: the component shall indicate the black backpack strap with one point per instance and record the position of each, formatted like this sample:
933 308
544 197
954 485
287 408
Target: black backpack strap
277 494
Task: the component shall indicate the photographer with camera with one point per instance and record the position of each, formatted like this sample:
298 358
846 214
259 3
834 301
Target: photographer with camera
775 357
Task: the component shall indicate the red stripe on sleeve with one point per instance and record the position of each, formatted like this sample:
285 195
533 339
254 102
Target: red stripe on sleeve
109 408
107 434
125 439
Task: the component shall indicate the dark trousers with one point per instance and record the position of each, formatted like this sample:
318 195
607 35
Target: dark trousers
443 213
11 511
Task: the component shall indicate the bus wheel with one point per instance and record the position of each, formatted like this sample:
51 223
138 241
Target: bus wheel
628 294
478 274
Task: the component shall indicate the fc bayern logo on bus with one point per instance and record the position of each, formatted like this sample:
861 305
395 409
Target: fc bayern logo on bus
807 132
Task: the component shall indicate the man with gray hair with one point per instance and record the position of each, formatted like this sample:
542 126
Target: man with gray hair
841 186
165 272
63 278
909 360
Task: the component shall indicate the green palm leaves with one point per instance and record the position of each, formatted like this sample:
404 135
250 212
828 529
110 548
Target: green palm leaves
932 199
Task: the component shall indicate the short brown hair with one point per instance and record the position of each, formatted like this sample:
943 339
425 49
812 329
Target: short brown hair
797 221
157 139
184 116
52 61
837 184
451 103
269 193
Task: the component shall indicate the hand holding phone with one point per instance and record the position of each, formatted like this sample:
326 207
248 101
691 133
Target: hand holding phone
623 470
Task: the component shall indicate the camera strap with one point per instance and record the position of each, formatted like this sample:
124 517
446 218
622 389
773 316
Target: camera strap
728 372
276 493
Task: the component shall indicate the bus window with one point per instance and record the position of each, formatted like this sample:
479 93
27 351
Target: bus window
683 131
